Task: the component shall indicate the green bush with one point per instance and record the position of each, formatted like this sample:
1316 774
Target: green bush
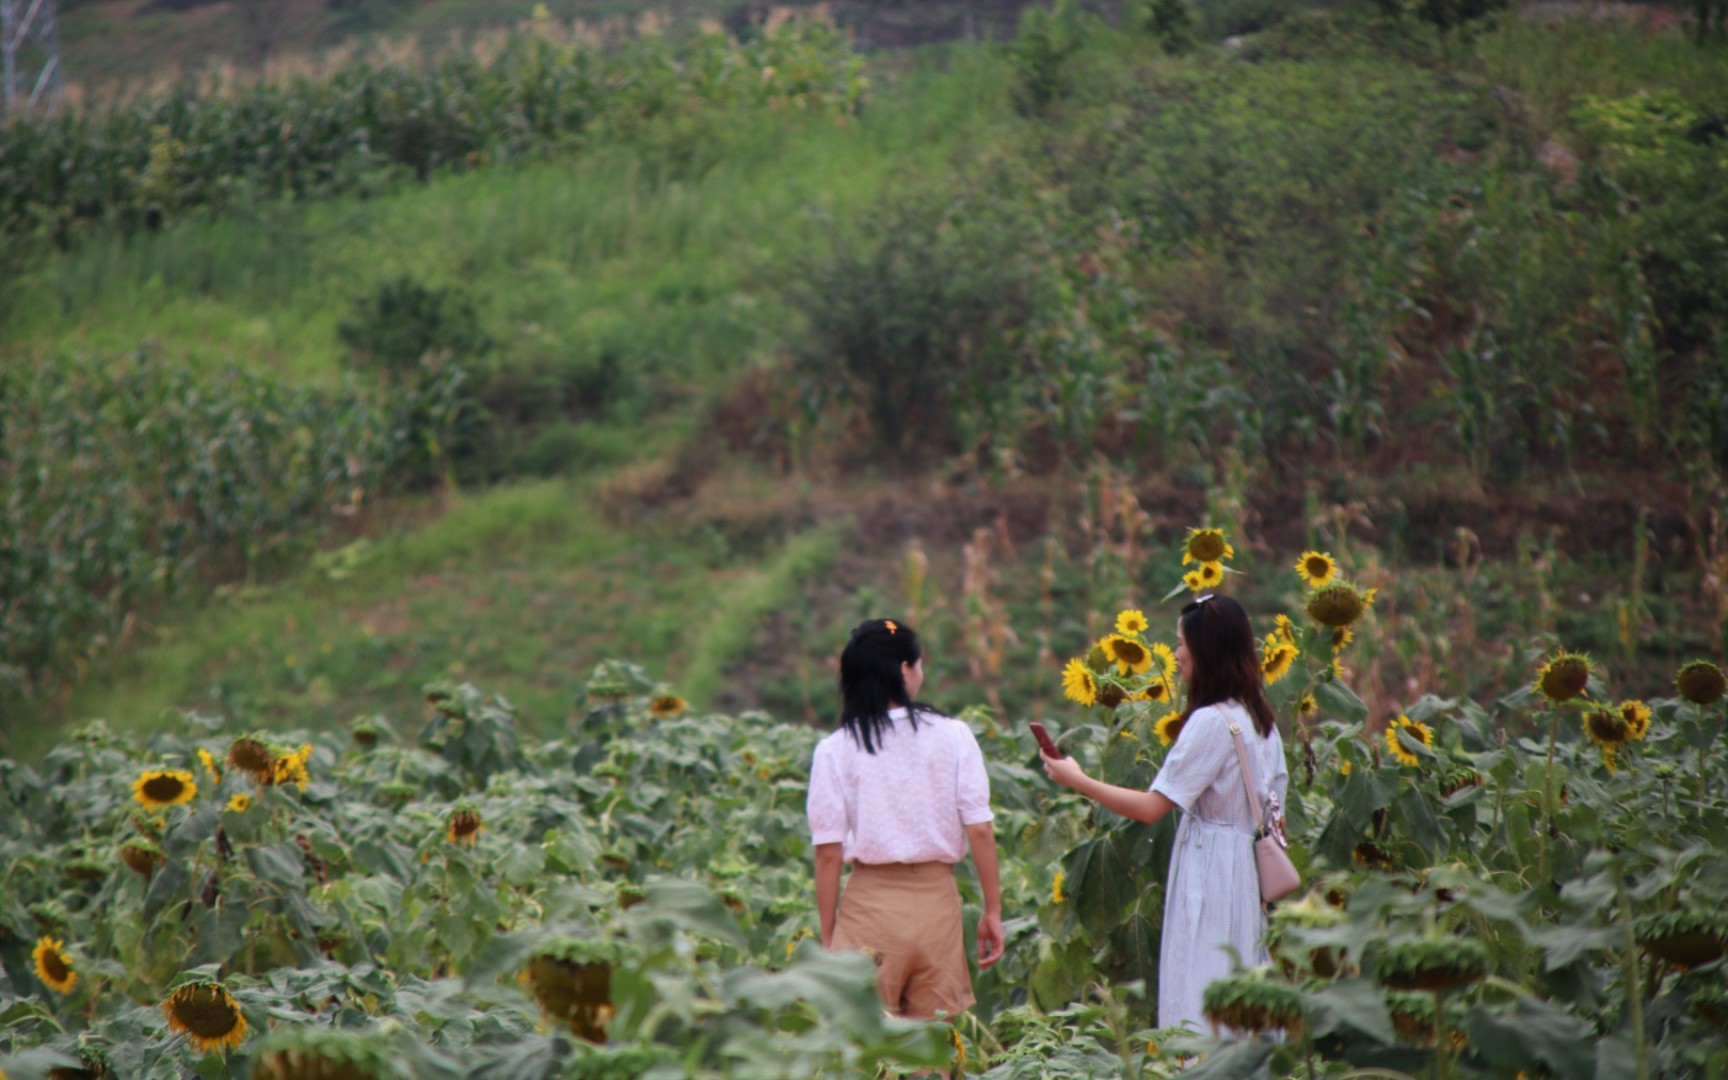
404 321
1043 52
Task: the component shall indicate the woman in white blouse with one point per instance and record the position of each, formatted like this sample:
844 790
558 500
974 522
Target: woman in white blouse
1212 901
899 793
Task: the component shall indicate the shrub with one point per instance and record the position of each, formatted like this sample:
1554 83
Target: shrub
404 321
1043 52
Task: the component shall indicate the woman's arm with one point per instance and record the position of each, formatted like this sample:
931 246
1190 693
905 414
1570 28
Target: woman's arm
827 890
1147 806
991 939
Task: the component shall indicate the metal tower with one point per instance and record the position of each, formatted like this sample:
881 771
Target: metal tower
30 42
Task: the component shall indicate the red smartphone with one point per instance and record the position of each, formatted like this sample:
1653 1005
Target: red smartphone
1044 740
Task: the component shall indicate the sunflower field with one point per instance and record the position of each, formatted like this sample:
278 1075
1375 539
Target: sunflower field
1532 886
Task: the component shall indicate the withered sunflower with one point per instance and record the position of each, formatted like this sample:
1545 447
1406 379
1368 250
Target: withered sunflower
1317 568
1078 683
158 788
464 825
1336 605
664 706
253 757
142 856
1206 546
1701 682
1563 677
209 1016
53 965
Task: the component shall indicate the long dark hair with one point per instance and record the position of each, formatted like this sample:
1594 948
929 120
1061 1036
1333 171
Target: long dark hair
871 681
1221 655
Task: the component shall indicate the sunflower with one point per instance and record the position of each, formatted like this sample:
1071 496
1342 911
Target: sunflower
667 705
290 768
1342 636
1701 682
1192 580
1336 605
252 757
1167 659
1210 573
1607 728
1637 717
209 1016
1056 896
1168 727
53 966
465 825
1157 690
1276 660
1563 677
1131 657
1284 628
157 788
1405 728
208 760
1110 694
142 856
1317 568
1078 684
239 803
1131 621
1307 706
1206 546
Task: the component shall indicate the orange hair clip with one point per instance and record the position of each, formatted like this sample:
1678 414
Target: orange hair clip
889 623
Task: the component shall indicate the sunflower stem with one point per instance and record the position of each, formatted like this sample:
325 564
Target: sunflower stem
1701 760
1547 799
1629 972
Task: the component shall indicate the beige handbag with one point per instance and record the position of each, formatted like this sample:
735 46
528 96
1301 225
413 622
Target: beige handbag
1278 876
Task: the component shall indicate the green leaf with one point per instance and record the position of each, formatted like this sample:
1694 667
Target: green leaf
1337 700
1357 1004
1532 1030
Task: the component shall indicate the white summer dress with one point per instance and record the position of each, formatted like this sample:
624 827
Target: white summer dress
1212 901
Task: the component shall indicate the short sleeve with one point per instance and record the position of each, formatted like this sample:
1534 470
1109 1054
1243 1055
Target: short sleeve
973 785
1201 752
825 805
1281 776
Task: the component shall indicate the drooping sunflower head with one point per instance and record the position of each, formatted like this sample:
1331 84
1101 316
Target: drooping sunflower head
1284 628
53 965
1317 568
252 756
1110 694
208 1014
664 706
158 788
1276 659
1206 546
464 824
1132 621
142 856
1606 727
571 979
1563 677
367 731
1403 729
1168 728
1097 660
1701 682
1637 717
1336 605
1131 657
1078 683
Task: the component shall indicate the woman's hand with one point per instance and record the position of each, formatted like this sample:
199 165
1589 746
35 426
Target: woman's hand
1064 770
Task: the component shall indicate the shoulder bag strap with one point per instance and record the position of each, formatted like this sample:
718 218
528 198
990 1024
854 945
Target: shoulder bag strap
1247 778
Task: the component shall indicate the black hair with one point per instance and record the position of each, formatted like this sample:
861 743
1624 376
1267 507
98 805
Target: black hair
1222 657
871 680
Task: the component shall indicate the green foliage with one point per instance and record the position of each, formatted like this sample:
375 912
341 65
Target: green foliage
396 327
1171 23
908 310
368 127
1044 50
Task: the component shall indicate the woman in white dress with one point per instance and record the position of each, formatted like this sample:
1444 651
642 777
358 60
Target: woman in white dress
1212 902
